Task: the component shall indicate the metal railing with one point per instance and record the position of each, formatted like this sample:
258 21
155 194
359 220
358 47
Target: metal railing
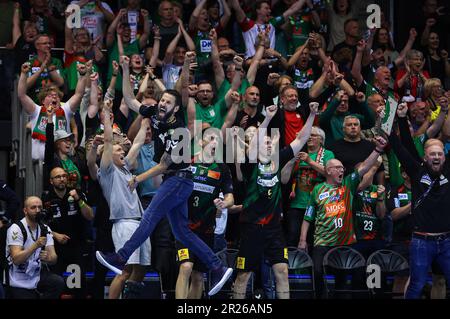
29 172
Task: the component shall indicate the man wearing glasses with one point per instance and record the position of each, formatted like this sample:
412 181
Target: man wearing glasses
67 211
330 208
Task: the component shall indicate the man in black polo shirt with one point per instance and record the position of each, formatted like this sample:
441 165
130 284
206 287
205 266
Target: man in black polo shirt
431 216
66 211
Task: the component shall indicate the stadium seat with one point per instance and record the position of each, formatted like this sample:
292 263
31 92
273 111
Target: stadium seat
390 263
343 261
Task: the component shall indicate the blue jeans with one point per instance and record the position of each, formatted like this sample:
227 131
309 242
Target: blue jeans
171 199
422 254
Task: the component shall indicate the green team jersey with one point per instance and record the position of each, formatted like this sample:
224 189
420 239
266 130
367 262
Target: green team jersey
113 55
330 208
306 178
214 114
226 85
262 203
301 26
209 180
71 72
403 227
44 78
367 224
202 47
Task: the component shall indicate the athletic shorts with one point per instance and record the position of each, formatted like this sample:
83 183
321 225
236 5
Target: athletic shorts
121 232
258 242
186 255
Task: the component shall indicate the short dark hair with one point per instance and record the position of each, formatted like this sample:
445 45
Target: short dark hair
175 94
349 9
259 3
349 21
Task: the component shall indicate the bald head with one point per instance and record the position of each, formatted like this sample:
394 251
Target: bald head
31 200
332 162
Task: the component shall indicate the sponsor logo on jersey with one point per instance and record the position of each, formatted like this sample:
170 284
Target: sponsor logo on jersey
402 196
214 174
240 263
201 178
267 182
443 180
286 255
193 169
183 254
335 198
309 211
203 188
426 180
324 195
334 209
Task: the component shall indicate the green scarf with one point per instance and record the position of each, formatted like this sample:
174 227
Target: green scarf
41 124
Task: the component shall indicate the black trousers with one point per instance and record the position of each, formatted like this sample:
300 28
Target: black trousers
50 286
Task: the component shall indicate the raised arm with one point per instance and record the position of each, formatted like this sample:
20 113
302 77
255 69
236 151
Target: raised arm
435 128
407 48
25 100
287 170
127 91
380 144
195 14
258 139
138 142
426 32
219 74
146 31
293 59
16 31
446 128
93 98
113 27
106 160
240 14
187 38
75 99
256 60
226 14
293 9
303 136
232 112
184 78
92 157
356 68
168 58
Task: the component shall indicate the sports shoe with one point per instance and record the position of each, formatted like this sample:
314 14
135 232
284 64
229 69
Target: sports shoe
112 261
218 278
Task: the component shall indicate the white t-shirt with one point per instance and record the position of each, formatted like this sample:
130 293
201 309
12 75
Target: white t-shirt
250 30
37 146
93 19
28 274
